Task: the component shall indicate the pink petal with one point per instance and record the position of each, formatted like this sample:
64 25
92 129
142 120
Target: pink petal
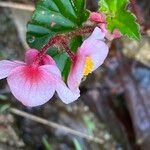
98 53
31 86
53 69
64 93
48 60
94 48
97 35
7 66
103 27
76 73
31 55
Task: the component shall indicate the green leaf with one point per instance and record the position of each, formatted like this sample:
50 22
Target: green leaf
112 6
46 144
119 18
125 22
66 14
52 17
89 123
77 144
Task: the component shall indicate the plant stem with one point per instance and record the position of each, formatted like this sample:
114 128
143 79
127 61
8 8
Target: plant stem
80 31
68 51
62 39
43 51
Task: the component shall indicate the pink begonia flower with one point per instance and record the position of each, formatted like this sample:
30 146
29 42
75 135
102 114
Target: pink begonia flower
101 20
34 84
89 57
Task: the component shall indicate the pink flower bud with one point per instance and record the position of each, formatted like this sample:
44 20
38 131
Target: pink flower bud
116 34
97 17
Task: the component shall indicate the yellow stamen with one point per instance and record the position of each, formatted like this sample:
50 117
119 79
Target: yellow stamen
88 66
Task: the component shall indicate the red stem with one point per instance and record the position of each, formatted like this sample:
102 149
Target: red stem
62 39
43 51
68 51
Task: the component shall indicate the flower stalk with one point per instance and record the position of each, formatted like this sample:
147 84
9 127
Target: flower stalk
68 51
62 39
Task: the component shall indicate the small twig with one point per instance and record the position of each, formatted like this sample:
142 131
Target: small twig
55 125
17 6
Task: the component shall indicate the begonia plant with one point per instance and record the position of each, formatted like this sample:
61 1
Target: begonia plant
67 42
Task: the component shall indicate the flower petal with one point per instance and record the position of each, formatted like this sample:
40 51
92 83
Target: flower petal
99 53
103 27
7 66
53 69
88 44
65 94
31 86
97 34
96 49
31 54
76 73
91 48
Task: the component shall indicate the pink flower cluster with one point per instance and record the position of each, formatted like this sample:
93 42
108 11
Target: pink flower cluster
35 81
101 20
